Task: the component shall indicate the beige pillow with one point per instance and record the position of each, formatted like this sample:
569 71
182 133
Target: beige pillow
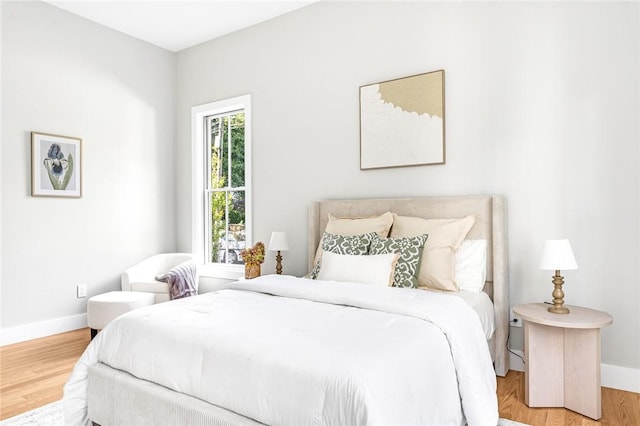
437 268
360 225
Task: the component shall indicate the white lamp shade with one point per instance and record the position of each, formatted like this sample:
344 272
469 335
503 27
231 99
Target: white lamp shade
278 241
557 255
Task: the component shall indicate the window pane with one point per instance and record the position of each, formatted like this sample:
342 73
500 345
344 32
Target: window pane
224 150
237 217
237 150
218 152
228 220
218 229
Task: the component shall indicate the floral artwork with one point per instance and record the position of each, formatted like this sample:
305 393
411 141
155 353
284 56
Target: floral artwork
58 168
56 165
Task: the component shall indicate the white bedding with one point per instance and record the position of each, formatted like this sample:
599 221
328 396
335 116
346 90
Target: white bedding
481 303
326 353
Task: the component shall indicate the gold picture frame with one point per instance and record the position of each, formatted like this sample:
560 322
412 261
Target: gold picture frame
56 166
402 122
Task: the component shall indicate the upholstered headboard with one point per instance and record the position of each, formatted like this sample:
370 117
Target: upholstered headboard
490 224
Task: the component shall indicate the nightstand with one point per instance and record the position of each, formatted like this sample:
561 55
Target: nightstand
562 357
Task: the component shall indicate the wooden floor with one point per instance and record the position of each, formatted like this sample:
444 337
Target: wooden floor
619 408
33 374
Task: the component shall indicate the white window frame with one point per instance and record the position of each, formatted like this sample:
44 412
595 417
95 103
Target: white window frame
200 173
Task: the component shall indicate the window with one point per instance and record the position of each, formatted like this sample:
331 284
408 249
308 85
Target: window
222 191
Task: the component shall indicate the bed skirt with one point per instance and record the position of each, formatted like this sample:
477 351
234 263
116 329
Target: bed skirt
118 398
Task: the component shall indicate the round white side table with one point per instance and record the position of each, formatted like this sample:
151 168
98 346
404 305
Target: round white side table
562 357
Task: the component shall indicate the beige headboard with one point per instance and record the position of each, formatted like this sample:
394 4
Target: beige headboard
490 224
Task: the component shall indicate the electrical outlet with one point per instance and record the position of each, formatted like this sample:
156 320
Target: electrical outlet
81 290
514 320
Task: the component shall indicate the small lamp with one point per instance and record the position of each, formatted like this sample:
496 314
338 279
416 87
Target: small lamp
557 255
278 243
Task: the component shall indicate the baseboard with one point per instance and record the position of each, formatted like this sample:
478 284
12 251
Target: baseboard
623 378
35 330
611 376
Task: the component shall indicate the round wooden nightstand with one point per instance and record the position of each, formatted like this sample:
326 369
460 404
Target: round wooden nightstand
562 357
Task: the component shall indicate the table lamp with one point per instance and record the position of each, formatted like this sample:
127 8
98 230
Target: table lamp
278 243
557 255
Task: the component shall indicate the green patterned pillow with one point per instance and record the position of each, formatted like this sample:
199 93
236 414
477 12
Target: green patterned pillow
410 251
343 244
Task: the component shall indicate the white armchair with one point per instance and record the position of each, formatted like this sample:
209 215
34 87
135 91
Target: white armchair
142 276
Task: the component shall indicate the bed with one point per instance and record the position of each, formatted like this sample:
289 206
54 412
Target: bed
307 351
490 224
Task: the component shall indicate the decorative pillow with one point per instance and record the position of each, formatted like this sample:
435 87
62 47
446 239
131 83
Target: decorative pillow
367 269
471 265
342 244
360 225
182 280
409 250
437 267
354 226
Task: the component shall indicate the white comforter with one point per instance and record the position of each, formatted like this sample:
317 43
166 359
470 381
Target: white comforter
326 353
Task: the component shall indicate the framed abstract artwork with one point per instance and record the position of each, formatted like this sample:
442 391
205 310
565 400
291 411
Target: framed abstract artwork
56 166
402 122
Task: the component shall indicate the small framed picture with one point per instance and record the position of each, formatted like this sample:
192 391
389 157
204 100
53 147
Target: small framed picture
56 166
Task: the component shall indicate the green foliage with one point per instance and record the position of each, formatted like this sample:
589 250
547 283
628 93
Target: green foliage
227 132
218 204
234 124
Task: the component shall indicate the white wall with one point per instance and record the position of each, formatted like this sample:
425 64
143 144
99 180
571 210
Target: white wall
66 75
542 105
1 105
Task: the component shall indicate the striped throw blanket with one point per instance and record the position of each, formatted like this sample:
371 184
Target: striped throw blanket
181 279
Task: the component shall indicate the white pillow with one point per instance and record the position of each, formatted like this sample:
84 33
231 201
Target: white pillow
375 269
471 265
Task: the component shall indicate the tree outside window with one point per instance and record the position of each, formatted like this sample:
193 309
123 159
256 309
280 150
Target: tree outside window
226 192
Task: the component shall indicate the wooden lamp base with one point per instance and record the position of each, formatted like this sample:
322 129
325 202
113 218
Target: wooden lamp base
279 263
558 295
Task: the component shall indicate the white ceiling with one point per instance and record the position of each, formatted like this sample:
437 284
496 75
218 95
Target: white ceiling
178 24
